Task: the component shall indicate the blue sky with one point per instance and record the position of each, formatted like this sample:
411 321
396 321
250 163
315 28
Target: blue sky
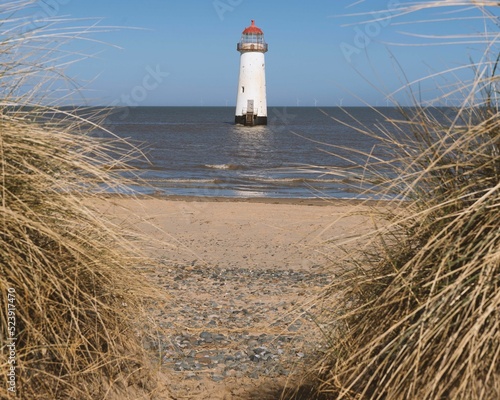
183 52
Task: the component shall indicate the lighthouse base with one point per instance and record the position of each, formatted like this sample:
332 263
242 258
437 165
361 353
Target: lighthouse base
250 120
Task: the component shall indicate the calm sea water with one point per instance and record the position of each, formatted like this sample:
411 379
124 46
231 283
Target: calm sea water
301 153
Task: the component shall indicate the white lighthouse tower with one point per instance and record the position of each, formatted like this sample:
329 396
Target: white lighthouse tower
251 103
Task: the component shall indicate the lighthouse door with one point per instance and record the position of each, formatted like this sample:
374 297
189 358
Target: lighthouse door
250 114
250 106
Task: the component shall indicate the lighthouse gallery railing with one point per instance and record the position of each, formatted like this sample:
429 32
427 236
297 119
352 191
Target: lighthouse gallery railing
252 47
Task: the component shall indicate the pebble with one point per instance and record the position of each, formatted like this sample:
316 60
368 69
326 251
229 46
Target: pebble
233 332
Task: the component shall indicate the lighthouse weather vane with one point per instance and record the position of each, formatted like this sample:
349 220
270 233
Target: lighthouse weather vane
251 103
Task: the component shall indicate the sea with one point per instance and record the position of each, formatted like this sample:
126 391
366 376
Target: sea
303 152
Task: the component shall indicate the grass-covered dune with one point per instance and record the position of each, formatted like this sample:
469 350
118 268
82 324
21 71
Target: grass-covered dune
417 317
68 296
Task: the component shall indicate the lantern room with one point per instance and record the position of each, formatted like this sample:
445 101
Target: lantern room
252 39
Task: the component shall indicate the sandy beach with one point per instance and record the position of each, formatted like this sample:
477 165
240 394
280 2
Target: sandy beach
241 276
256 233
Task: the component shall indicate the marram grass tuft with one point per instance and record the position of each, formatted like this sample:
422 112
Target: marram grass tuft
419 316
69 297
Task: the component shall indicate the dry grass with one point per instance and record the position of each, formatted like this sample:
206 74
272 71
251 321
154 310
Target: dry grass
418 318
77 298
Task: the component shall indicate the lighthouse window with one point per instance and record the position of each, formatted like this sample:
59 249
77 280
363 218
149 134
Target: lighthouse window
252 38
243 89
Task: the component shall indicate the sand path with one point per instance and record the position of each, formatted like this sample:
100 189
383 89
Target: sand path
241 276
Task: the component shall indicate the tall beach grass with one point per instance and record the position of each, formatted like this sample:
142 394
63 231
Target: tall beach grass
417 317
67 271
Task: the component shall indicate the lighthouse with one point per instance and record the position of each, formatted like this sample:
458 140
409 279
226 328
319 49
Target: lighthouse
251 104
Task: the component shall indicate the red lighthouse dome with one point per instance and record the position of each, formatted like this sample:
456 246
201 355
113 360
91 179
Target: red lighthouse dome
253 30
